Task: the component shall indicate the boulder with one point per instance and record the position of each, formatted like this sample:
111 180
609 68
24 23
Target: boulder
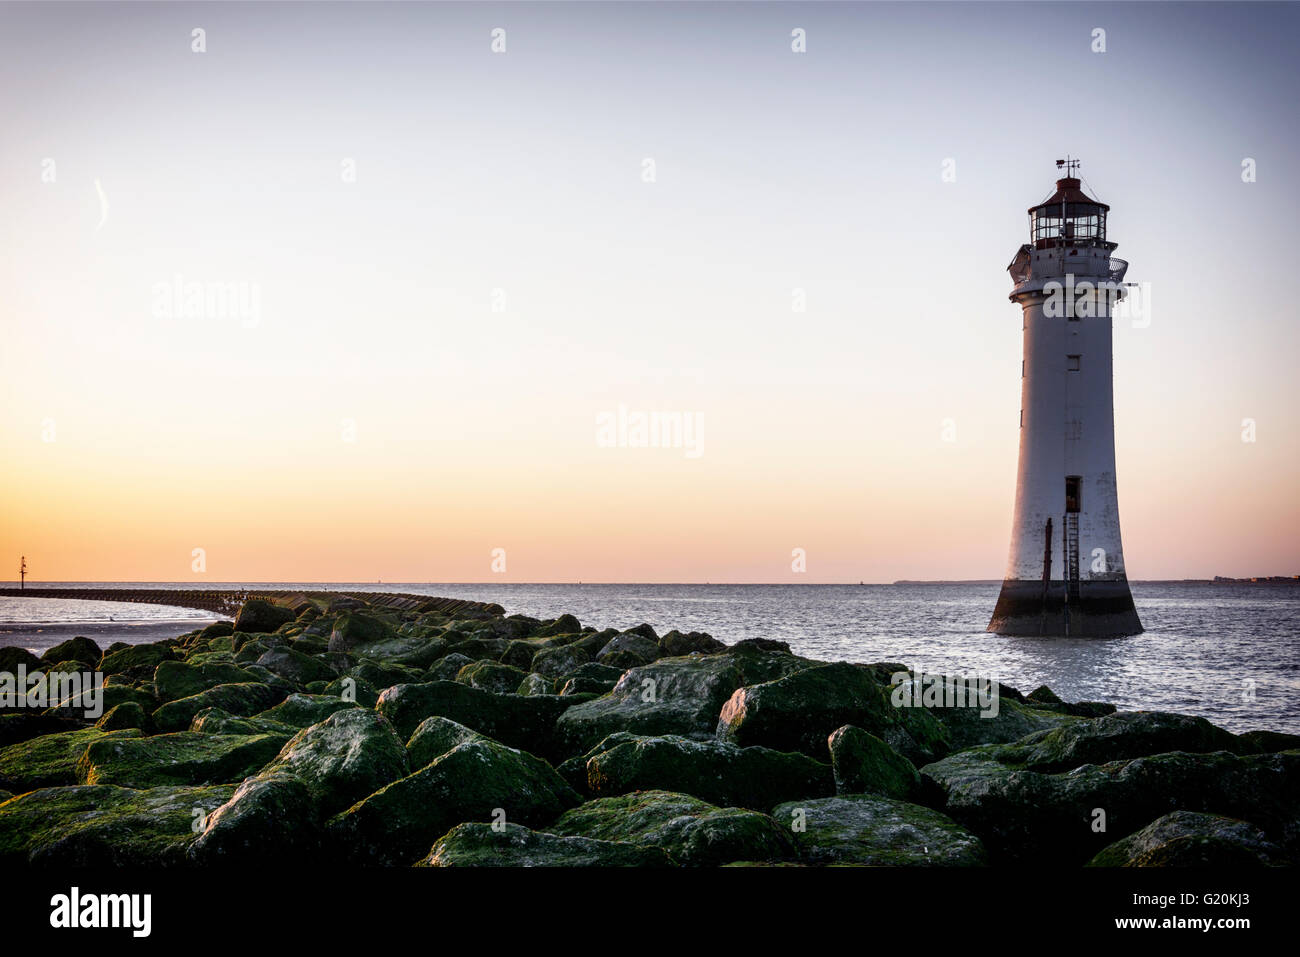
721 774
864 764
356 629
879 832
81 650
558 660
136 659
352 753
167 760
799 711
23 725
1265 742
101 826
491 676
50 760
1189 839
1129 734
671 696
434 738
267 820
12 656
1031 817
691 831
178 679
304 710
259 615
128 714
629 649
296 667
243 699
521 722
480 780
675 644
535 684
478 844
447 668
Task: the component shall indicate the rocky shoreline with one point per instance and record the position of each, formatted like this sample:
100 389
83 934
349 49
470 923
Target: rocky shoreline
324 727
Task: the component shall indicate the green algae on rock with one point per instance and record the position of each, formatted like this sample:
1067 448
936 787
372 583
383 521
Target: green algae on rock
480 780
104 826
878 831
477 844
691 831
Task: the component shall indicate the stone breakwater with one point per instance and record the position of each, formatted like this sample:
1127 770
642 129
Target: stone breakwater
359 728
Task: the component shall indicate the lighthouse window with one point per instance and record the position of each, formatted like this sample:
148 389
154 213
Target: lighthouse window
1073 363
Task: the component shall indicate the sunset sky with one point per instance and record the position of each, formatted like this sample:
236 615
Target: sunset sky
417 374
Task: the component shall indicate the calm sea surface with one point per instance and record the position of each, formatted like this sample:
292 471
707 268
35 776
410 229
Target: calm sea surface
1228 652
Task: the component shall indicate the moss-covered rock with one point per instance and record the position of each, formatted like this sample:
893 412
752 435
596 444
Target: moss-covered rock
243 699
129 714
104 826
798 712
556 661
267 820
1129 734
535 684
1266 742
864 764
1030 817
714 771
350 754
671 696
279 813
878 831
84 652
630 649
23 725
478 844
477 649
356 629
434 738
446 669
1189 839
304 710
179 679
297 667
174 759
258 615
220 721
693 832
136 659
527 723
50 760
675 644
479 780
491 676
12 657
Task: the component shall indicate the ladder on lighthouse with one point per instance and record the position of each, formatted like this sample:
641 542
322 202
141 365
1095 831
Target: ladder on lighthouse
1072 556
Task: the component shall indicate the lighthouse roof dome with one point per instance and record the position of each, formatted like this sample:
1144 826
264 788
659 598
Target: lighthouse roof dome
1069 190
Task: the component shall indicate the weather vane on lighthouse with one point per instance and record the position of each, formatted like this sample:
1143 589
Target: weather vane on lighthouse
1065 574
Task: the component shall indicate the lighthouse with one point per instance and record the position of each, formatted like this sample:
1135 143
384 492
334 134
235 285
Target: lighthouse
1065 574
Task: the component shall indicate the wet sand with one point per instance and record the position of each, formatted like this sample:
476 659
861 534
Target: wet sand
38 637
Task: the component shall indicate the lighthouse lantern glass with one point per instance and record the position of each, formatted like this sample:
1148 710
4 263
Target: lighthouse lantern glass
1058 223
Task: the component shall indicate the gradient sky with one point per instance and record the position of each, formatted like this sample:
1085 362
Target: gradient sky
130 438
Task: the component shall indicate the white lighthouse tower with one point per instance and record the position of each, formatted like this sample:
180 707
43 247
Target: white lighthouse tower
1065 575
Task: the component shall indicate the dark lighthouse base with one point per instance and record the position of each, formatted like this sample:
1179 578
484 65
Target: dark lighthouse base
1090 609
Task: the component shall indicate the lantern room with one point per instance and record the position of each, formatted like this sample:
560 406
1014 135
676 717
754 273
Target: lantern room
1068 218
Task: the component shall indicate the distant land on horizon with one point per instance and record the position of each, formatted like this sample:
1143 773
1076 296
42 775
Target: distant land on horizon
1217 579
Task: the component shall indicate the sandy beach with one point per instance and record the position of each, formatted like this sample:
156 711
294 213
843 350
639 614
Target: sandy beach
36 637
